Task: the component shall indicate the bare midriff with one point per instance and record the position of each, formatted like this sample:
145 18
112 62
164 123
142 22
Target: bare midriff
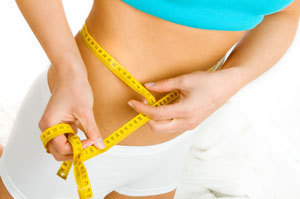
151 49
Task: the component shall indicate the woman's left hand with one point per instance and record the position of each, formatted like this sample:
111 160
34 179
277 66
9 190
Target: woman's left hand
201 93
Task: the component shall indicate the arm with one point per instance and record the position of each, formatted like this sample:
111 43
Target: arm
48 22
258 50
263 46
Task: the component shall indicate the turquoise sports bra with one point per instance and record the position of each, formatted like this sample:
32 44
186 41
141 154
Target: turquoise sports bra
234 15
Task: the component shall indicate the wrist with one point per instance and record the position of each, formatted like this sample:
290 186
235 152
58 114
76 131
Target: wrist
70 71
233 77
70 68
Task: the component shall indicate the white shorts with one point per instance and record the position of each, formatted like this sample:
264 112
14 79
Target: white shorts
27 171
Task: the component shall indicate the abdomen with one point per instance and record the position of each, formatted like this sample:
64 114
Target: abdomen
151 49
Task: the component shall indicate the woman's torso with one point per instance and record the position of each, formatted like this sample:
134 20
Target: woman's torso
151 49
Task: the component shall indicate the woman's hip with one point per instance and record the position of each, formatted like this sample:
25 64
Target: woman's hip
29 172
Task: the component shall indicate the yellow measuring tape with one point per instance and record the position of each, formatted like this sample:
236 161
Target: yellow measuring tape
79 155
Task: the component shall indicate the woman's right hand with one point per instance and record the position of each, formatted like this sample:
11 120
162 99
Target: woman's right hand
71 102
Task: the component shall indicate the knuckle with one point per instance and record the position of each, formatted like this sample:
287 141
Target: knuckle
186 112
189 127
137 107
159 113
57 157
150 124
154 116
189 111
82 111
143 108
93 131
163 83
61 150
45 122
183 81
181 112
192 123
41 125
153 127
150 114
163 114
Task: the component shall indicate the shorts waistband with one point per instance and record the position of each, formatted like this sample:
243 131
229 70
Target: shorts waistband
150 149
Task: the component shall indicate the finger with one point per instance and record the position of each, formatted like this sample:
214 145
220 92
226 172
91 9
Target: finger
169 126
166 84
58 152
59 157
67 158
161 112
61 145
86 143
91 129
74 125
144 100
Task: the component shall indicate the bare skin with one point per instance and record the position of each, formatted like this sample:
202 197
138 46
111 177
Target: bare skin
115 195
1 149
150 49
164 49
3 191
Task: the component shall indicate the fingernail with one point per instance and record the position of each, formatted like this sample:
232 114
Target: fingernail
130 104
100 144
150 84
145 101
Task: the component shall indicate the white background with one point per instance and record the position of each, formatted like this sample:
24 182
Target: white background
249 147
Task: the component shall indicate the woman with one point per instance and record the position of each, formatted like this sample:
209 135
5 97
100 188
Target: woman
171 43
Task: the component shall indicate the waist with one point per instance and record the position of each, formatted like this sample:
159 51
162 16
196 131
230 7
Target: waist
110 102
138 38
149 51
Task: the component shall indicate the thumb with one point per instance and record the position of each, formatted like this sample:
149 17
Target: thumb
166 85
91 129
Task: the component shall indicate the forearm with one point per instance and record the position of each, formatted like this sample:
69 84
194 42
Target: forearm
262 47
48 22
